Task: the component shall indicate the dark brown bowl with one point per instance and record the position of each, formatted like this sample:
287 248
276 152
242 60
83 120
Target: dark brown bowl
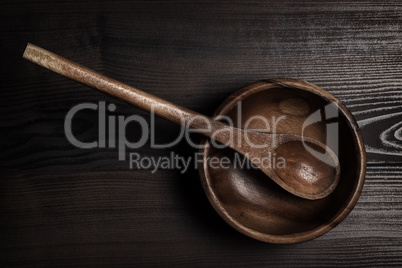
253 204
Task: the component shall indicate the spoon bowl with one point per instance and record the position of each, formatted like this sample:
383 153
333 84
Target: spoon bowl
308 169
306 175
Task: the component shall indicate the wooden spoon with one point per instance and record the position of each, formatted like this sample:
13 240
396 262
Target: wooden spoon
304 175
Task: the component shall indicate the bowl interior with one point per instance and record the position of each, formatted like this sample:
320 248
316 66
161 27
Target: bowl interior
251 202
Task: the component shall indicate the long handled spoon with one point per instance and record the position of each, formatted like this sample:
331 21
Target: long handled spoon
304 174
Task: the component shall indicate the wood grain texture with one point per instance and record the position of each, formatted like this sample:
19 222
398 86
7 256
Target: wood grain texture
110 218
63 206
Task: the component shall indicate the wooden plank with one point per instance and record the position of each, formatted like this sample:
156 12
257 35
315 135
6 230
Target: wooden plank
133 218
64 206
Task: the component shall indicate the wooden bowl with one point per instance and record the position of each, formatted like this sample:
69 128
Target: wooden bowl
254 205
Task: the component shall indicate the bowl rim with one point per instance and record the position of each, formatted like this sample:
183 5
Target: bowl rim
249 90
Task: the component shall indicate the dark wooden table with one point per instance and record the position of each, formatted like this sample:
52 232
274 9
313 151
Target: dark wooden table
65 206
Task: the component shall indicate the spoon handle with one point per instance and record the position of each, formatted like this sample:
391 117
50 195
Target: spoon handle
174 113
